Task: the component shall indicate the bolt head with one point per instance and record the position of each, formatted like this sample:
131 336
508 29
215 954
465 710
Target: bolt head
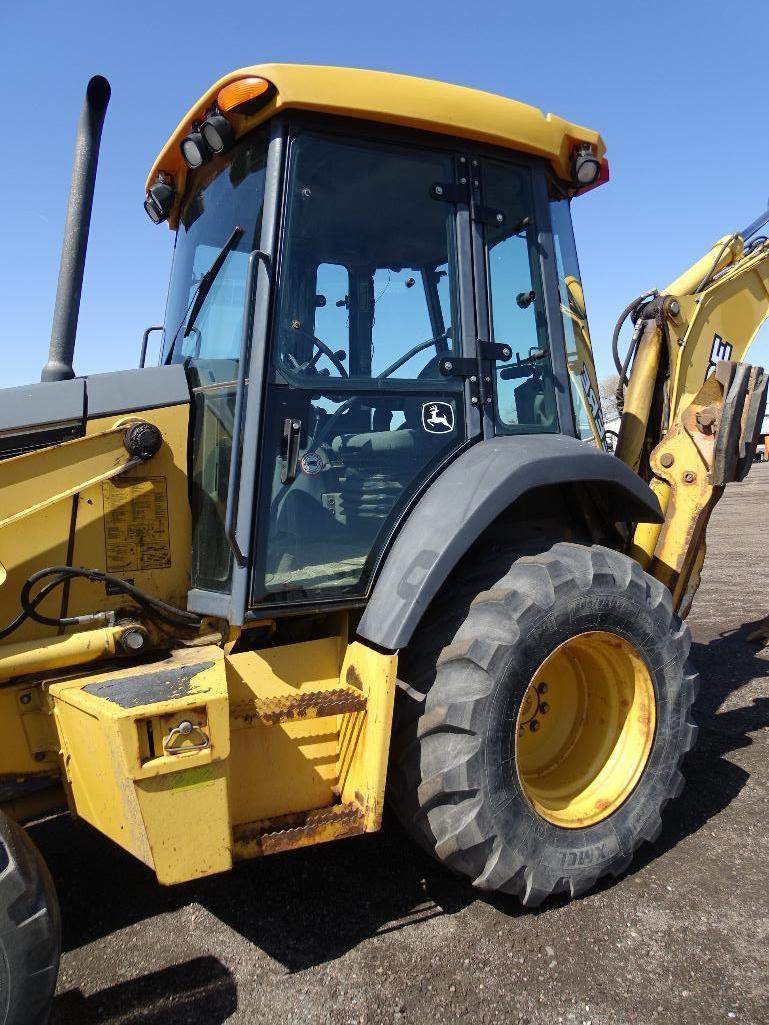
25 698
667 459
533 725
474 401
438 190
473 379
185 727
542 688
39 756
500 218
544 707
690 477
448 365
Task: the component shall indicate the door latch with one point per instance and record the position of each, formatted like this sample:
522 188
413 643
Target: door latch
292 432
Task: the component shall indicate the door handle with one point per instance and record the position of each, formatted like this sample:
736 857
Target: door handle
292 432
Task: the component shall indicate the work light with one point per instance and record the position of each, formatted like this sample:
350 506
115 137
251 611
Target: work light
195 149
217 133
160 200
585 166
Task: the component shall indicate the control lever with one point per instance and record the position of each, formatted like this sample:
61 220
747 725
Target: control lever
292 431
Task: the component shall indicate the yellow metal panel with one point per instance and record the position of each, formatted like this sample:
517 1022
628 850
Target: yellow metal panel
170 810
36 480
292 766
21 709
394 99
102 523
363 758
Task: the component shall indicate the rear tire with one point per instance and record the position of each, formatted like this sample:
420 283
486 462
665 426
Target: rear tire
30 932
465 704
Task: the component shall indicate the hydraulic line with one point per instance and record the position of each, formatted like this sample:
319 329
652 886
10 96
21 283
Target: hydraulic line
63 574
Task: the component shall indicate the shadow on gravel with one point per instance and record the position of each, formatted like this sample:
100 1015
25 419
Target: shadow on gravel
303 908
725 664
312 906
201 990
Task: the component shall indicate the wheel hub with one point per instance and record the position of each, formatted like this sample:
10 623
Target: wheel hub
585 729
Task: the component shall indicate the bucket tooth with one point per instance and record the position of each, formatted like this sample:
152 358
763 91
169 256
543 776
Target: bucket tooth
287 832
270 711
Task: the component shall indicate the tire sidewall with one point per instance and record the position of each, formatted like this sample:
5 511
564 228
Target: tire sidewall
589 850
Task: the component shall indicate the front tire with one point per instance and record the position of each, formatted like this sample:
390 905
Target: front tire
30 932
536 811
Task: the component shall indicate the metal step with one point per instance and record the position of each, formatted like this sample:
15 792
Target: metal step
291 707
287 832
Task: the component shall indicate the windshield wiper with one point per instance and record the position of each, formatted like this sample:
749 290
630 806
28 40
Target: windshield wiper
206 282
204 287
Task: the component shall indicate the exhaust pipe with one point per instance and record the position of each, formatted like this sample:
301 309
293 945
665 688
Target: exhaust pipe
67 307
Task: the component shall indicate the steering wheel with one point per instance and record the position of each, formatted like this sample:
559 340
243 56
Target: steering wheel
323 350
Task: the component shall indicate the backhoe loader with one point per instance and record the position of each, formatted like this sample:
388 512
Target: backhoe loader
358 531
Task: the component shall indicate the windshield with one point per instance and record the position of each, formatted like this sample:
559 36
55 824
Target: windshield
230 193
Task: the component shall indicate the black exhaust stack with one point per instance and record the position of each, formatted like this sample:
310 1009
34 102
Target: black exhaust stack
67 308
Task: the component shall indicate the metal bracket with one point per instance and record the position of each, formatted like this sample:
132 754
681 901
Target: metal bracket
452 192
455 366
494 350
488 215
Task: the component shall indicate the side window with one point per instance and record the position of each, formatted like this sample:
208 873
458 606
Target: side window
525 394
579 350
332 318
399 301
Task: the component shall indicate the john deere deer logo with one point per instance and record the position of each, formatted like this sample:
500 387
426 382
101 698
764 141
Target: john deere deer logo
438 417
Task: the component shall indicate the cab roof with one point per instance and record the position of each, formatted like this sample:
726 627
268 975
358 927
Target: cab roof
392 99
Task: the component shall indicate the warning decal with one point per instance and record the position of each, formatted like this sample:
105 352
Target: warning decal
136 532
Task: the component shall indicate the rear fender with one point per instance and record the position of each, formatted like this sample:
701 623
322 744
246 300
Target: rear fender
469 495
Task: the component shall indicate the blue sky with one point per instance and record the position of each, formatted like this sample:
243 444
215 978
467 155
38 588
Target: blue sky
677 90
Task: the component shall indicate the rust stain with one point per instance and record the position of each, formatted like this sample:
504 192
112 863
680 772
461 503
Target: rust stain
301 829
308 705
353 677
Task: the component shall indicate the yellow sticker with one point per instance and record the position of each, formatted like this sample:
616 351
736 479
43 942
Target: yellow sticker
136 530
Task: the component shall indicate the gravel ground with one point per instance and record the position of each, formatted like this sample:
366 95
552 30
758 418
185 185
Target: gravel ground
369 930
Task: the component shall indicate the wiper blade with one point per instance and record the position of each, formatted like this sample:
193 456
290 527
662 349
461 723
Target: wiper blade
207 281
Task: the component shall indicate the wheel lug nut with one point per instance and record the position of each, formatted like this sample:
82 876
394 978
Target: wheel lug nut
533 725
544 708
542 688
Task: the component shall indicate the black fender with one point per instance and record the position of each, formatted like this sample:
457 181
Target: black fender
466 498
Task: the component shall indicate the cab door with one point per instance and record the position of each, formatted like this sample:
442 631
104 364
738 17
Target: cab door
518 301
373 298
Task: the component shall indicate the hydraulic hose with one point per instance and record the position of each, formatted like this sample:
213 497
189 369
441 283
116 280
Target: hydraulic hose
631 309
62 574
163 610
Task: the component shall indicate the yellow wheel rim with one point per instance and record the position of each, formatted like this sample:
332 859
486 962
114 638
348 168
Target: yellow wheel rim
585 729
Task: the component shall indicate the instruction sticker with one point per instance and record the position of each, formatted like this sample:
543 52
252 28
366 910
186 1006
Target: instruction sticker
136 529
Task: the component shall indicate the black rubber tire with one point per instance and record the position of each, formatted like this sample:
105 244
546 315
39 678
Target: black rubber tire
452 781
30 930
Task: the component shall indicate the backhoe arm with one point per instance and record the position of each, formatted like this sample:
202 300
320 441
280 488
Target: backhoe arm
692 411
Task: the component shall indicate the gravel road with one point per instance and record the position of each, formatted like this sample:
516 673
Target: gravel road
371 931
